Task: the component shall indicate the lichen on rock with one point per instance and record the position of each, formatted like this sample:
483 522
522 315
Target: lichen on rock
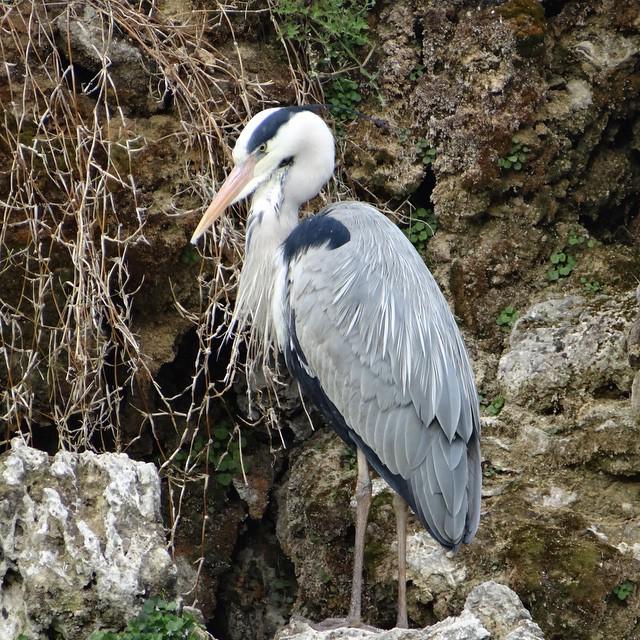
492 611
81 540
566 347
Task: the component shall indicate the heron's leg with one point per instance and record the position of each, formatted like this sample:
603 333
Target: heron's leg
400 507
363 502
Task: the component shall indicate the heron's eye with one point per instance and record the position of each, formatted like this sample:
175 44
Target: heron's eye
263 148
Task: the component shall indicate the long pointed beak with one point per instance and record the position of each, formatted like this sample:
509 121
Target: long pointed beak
239 177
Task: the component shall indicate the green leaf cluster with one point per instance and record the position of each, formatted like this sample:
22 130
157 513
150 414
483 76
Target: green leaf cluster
423 227
189 256
591 285
331 32
222 452
577 240
564 261
516 158
507 317
624 590
563 265
426 152
158 620
344 94
495 406
225 455
335 27
416 72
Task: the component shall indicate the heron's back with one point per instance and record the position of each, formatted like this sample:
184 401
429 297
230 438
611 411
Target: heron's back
371 339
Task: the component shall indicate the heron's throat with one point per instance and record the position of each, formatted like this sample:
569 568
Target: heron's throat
271 220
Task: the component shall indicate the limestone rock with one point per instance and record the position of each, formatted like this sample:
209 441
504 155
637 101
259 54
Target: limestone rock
492 611
501 612
568 345
81 542
95 49
464 627
314 521
606 435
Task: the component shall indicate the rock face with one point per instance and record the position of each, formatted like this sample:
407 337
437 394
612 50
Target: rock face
516 121
81 542
492 611
81 33
315 529
567 349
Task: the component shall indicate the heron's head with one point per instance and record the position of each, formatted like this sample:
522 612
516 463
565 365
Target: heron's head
290 144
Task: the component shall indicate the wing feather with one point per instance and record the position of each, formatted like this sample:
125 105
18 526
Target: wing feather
378 335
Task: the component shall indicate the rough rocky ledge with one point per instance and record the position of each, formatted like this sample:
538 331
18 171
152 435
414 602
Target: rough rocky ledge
491 611
81 542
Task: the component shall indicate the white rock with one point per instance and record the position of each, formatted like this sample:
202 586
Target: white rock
492 610
558 498
568 344
501 612
81 541
463 627
430 567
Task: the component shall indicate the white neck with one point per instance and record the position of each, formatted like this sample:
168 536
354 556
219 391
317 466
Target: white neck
300 162
271 219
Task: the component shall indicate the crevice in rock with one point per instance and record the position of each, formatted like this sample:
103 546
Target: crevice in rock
175 377
43 436
256 595
553 8
11 577
554 409
614 229
421 197
610 392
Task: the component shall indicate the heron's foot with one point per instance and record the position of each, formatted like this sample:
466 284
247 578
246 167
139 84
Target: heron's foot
337 623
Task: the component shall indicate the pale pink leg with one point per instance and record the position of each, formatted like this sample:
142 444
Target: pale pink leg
363 502
400 507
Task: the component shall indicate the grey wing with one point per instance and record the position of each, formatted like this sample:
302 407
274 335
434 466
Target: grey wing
372 338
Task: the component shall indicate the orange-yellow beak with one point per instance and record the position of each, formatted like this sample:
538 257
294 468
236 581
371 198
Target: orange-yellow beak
236 181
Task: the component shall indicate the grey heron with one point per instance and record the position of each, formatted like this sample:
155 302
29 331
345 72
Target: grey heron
363 327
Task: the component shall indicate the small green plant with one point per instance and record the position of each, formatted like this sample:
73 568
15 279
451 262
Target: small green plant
223 452
489 471
403 134
331 33
416 72
495 406
516 158
158 620
564 261
189 256
422 228
624 590
344 94
591 285
426 152
563 265
576 240
336 27
507 317
225 455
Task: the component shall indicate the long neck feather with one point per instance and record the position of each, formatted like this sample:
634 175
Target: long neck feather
271 220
